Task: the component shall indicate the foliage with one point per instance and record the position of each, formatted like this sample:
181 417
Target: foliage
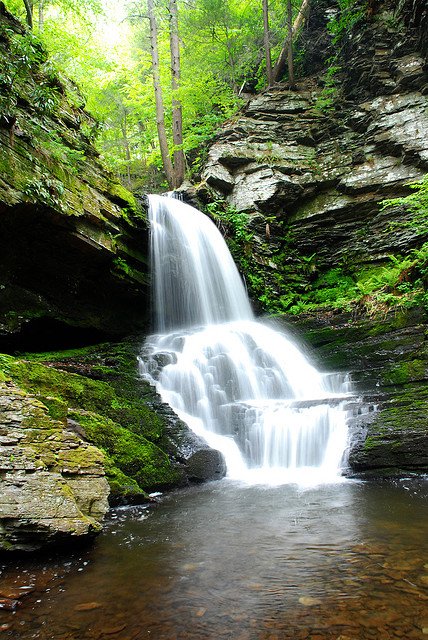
284 281
399 283
341 22
45 190
416 203
327 97
221 53
23 54
349 13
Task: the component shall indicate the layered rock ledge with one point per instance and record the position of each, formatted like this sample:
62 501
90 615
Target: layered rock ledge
387 359
73 240
53 485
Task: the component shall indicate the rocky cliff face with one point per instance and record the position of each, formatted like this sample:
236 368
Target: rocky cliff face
80 426
308 170
322 174
73 240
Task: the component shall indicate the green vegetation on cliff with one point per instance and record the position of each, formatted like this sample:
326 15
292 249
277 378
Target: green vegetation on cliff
97 390
285 281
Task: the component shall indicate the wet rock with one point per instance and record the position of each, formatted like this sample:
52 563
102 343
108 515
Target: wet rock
58 259
206 464
88 606
7 604
388 363
52 484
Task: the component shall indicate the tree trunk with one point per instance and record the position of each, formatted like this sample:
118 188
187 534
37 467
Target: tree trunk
160 121
269 70
290 44
124 128
281 63
41 16
29 12
177 118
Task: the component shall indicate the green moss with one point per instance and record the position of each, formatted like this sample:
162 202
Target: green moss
132 454
111 405
57 408
123 269
370 443
123 488
406 372
47 381
122 195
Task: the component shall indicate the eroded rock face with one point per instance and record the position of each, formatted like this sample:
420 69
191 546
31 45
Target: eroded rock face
52 484
387 359
73 241
311 182
321 176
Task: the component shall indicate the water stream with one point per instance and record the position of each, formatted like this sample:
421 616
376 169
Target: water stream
229 561
241 384
237 559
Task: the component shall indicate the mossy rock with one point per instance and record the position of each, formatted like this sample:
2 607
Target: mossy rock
133 455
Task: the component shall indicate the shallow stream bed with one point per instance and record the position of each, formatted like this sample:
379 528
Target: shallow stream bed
344 561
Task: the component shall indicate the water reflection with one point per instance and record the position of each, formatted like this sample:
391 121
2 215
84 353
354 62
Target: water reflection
226 561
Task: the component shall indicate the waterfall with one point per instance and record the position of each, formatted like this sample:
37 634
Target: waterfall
239 383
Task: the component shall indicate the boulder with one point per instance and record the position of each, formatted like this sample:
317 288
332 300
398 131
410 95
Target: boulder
52 484
206 464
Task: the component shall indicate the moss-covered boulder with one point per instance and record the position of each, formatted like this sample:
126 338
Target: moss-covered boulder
98 393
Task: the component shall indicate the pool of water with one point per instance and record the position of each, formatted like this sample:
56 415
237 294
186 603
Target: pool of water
346 562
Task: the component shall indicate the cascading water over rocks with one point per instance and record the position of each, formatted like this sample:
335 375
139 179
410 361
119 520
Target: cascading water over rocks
242 385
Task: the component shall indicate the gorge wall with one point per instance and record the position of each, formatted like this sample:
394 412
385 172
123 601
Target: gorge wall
296 182
77 427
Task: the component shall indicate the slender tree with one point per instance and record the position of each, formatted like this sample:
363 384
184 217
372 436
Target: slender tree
269 70
41 24
290 43
29 12
177 117
160 120
281 63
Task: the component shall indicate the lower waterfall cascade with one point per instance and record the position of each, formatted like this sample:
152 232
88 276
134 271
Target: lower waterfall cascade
239 383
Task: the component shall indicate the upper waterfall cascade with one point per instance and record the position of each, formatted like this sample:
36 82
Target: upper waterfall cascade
242 385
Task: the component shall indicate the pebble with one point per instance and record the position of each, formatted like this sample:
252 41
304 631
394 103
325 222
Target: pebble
87 606
14 593
113 630
5 627
308 601
8 604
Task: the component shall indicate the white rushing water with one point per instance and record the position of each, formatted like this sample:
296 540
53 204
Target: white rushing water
242 385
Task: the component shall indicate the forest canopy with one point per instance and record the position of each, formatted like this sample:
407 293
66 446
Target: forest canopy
226 49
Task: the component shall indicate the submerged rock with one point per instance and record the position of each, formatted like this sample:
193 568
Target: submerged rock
206 464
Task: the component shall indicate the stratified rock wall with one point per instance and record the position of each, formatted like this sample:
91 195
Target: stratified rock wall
53 485
310 178
322 175
73 241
